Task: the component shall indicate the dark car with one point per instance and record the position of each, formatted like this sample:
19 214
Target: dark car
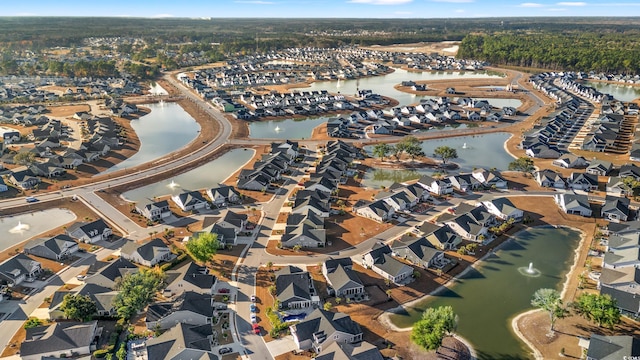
225 350
224 291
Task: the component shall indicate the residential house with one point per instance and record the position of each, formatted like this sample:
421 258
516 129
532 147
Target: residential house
304 236
102 296
468 228
631 170
304 205
571 161
90 232
189 277
418 251
294 288
60 339
322 328
147 253
618 242
441 237
223 195
401 200
582 181
345 351
19 268
379 211
612 347
490 179
599 167
190 307
549 178
181 342
24 178
629 257
572 203
155 211
503 209
617 187
464 182
3 185
106 274
341 278
190 201
226 228
438 187
55 248
623 285
615 209
379 260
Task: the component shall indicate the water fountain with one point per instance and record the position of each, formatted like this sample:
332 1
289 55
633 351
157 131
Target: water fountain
19 229
161 103
529 271
278 128
464 146
173 184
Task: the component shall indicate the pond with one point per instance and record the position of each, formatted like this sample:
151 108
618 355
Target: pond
156 89
18 228
285 129
474 151
164 130
619 91
487 298
202 177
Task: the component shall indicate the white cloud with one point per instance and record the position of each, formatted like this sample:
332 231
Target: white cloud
258 2
573 3
381 2
454 1
162 16
530 5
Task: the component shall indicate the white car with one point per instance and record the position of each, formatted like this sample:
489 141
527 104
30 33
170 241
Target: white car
254 319
253 298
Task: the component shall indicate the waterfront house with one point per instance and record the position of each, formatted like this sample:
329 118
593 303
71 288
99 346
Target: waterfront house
155 211
223 195
418 251
435 186
441 237
19 268
503 209
190 307
147 253
489 179
572 203
601 347
55 248
322 328
379 260
190 201
629 257
623 285
90 232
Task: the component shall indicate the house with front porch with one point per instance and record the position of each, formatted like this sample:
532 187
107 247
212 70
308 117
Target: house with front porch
189 277
322 328
489 179
295 289
55 248
464 182
222 195
90 232
435 186
582 181
379 210
19 268
147 253
418 251
190 201
573 204
380 260
623 285
190 307
571 161
441 237
549 178
616 186
155 211
599 167
503 209
342 280
615 209
59 340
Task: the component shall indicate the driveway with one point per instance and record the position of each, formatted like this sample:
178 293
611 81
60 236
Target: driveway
281 346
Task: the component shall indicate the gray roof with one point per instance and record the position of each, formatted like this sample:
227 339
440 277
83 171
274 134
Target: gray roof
613 347
292 284
52 244
341 351
102 296
614 204
415 249
193 274
57 337
327 323
504 205
188 301
106 273
625 300
310 218
91 228
147 249
622 241
181 337
344 278
622 256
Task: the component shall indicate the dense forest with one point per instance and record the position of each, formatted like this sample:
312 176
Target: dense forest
579 51
600 44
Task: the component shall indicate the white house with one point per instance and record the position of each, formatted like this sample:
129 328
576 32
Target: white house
90 232
572 203
503 209
147 253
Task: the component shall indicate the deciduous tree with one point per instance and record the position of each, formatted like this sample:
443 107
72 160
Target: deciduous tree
436 323
78 307
601 309
550 301
523 164
202 247
445 153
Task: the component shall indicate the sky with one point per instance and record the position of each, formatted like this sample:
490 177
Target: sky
320 8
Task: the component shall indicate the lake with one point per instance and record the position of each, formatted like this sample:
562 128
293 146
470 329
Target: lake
488 297
18 228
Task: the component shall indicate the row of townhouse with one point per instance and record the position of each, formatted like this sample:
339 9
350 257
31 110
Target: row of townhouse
270 168
477 179
219 196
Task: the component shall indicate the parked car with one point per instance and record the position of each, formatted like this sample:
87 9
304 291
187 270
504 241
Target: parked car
31 199
256 329
225 350
224 290
253 308
253 298
254 318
